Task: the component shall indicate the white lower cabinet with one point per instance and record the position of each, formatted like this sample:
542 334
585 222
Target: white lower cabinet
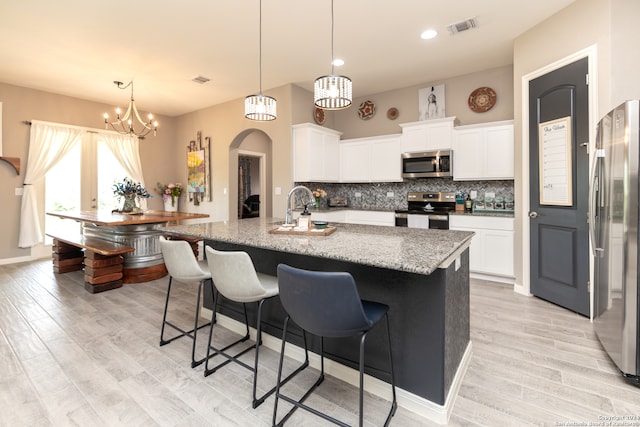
356 217
335 216
371 217
491 250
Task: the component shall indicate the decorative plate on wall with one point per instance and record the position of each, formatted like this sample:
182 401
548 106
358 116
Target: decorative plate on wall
318 115
366 110
482 99
392 113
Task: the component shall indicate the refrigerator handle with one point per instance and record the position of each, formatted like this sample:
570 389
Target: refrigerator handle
594 195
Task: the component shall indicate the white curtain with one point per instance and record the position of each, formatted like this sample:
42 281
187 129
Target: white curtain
126 148
48 144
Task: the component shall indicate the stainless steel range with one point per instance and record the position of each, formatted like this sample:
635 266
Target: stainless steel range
427 210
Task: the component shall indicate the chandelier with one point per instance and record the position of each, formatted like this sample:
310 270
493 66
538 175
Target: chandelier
125 124
260 107
332 92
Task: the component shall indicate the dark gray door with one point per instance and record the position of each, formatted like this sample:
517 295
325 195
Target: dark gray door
559 229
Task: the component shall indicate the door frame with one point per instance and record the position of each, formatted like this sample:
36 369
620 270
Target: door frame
263 176
591 54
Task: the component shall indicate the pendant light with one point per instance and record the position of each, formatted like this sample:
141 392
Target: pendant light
260 107
332 92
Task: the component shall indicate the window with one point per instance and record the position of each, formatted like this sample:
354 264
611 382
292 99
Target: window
82 180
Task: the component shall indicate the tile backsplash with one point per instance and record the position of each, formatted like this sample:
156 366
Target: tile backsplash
393 195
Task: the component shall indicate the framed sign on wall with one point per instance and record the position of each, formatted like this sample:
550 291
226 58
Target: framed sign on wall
556 186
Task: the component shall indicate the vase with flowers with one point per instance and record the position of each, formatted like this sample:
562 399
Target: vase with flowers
170 195
129 192
319 193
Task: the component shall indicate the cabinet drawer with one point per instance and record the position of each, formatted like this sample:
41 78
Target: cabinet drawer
482 222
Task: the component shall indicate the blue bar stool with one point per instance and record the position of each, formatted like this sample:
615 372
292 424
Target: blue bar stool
235 277
327 304
183 267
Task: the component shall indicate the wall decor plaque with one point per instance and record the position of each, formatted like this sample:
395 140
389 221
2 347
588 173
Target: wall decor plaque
318 115
482 99
366 110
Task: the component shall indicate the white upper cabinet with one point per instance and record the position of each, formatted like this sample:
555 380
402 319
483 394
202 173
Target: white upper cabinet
427 135
483 151
375 159
316 153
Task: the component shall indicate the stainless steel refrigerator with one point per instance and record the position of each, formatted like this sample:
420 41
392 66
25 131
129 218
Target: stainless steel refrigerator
614 198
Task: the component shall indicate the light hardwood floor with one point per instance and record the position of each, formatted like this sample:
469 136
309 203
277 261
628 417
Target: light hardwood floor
68 357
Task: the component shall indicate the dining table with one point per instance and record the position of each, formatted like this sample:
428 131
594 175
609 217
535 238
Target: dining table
139 230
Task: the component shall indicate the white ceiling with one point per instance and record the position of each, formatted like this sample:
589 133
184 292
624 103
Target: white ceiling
79 47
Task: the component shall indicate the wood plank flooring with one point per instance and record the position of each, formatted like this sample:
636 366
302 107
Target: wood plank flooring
69 357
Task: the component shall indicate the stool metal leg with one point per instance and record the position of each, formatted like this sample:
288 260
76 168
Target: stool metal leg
195 362
221 351
183 333
394 403
164 316
300 403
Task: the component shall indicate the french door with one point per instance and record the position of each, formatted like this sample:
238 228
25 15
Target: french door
82 180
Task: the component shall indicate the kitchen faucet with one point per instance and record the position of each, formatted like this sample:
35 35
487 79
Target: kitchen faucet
288 218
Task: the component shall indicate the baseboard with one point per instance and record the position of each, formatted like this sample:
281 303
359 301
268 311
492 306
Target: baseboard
16 260
493 278
39 251
421 406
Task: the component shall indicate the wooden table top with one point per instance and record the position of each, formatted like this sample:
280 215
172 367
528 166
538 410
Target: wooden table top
108 218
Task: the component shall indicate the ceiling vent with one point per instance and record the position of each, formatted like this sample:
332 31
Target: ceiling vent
461 26
200 79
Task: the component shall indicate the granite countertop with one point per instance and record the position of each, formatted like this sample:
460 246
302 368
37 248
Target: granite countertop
396 248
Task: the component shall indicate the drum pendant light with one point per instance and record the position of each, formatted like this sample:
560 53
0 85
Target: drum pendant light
260 107
332 92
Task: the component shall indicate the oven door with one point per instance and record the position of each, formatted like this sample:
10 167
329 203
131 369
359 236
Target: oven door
439 221
401 219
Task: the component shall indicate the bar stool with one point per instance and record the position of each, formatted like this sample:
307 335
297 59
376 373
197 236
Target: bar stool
327 304
236 279
183 267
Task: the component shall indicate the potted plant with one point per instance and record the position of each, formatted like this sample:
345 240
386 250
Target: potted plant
129 191
319 193
170 195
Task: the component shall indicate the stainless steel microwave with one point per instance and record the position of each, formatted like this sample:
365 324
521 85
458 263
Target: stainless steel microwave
427 164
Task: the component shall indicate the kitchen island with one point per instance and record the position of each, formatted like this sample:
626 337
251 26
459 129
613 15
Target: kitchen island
423 275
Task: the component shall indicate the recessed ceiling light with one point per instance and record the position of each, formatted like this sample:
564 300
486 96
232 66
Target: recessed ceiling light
338 62
429 34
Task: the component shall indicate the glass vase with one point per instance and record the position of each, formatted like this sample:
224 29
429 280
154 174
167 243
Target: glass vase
129 203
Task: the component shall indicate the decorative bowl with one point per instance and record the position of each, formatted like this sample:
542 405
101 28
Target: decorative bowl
320 224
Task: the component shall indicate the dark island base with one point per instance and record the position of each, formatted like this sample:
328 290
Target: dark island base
429 319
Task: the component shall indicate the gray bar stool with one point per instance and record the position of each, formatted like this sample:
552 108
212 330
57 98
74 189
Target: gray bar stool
236 279
183 267
327 304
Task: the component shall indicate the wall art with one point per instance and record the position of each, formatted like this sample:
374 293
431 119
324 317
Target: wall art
199 170
431 102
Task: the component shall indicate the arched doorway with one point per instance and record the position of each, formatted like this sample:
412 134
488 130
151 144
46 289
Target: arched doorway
252 147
